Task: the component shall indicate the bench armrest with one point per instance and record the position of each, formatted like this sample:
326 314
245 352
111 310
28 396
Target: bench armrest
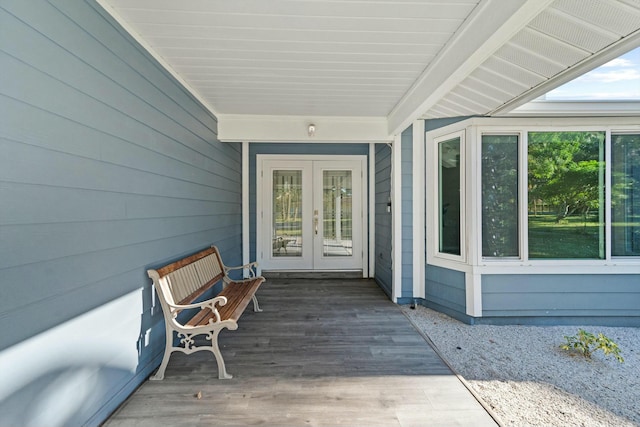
251 267
210 304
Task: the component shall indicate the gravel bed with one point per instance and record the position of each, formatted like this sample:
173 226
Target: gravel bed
527 380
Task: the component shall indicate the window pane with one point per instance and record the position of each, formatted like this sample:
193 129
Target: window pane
449 196
625 195
500 196
566 194
337 211
287 213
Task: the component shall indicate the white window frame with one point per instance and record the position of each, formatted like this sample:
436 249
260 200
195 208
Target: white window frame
433 228
472 130
522 205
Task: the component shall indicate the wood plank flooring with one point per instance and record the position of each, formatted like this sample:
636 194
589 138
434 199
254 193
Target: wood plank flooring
322 353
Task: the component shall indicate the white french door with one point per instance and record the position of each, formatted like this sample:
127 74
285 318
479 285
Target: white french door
310 213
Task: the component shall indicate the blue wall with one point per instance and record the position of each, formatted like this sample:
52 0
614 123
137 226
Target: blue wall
108 167
445 291
561 298
383 226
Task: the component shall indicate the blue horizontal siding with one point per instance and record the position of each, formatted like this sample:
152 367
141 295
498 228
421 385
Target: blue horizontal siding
445 288
108 168
383 235
560 295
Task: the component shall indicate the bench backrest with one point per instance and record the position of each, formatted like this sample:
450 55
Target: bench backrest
185 280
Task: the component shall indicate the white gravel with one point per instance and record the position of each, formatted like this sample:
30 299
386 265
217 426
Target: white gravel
527 380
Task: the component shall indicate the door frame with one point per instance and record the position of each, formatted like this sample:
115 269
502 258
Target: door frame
261 200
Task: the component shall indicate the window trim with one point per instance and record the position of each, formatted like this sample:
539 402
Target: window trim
608 194
435 193
521 201
525 189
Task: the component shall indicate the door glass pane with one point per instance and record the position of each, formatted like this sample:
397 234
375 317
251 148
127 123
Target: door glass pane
287 213
337 221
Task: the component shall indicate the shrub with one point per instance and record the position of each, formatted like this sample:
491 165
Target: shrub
586 343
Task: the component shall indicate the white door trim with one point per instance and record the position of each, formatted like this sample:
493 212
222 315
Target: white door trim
245 207
261 202
396 218
372 210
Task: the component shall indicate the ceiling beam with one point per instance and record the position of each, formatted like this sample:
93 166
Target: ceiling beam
489 27
266 128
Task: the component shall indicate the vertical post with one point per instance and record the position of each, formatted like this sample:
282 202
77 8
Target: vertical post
245 206
418 209
396 217
372 209
473 294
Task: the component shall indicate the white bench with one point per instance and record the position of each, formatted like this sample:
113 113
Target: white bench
181 283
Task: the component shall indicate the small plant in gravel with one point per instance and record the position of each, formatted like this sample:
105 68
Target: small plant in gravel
585 343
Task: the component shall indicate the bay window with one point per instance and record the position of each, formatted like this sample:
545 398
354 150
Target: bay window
535 195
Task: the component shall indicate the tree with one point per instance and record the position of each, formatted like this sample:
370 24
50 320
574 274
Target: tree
565 169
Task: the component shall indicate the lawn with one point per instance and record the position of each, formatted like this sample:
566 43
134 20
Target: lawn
571 237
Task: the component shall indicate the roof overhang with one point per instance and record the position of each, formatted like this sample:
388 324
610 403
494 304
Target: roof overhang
363 70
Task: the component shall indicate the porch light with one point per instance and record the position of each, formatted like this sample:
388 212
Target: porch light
311 130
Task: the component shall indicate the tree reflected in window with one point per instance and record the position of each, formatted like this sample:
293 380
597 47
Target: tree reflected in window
566 194
625 195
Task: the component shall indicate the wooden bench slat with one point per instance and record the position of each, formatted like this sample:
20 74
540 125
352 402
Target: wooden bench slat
185 261
238 295
201 291
201 318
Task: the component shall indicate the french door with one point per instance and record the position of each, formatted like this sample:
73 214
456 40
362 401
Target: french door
310 215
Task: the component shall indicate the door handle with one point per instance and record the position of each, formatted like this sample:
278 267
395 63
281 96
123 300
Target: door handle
315 221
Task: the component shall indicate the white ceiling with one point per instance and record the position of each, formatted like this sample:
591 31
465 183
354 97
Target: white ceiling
396 59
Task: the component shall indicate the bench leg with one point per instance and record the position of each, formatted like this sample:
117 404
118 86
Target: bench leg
215 349
256 306
165 359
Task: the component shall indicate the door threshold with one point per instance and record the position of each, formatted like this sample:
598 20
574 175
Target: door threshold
312 274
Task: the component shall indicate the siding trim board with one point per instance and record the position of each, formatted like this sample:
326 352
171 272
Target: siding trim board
407 214
419 225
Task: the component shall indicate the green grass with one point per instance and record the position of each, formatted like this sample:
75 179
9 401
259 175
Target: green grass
569 238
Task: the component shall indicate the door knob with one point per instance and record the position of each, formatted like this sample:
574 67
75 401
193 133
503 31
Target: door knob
315 221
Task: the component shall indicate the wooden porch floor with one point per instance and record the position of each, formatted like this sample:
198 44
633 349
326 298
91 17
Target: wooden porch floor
322 353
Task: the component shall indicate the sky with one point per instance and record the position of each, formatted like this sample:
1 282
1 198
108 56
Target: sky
618 79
